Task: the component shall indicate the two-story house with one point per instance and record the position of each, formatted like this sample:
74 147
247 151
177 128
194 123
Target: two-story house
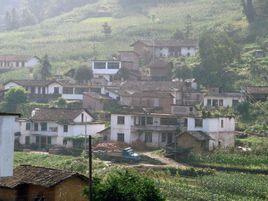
166 48
153 129
105 68
51 126
7 136
215 98
206 134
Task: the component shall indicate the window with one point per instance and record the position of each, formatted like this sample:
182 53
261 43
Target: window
198 123
209 102
235 102
150 120
37 139
82 117
68 90
28 126
36 127
49 140
220 102
27 140
163 137
121 137
215 103
65 128
121 120
56 90
148 137
168 121
222 123
53 129
99 65
80 90
185 122
113 65
44 126
191 109
156 102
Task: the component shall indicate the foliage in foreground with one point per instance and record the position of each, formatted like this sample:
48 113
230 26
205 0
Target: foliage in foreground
125 185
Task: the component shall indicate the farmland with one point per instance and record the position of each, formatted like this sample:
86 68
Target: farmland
190 184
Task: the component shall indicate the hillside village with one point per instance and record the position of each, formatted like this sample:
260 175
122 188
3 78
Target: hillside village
188 113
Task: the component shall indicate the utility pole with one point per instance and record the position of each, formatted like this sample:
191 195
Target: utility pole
90 183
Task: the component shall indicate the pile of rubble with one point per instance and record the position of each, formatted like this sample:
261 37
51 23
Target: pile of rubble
110 146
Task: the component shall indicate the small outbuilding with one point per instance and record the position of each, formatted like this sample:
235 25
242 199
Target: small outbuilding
196 141
39 183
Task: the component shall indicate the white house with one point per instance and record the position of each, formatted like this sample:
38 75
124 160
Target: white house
105 69
18 61
7 131
153 129
221 130
47 89
52 126
222 99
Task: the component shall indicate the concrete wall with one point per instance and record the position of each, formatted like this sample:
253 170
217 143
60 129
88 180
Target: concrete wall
125 129
227 101
7 130
213 125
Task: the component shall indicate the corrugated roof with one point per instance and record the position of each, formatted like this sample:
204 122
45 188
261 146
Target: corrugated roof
40 176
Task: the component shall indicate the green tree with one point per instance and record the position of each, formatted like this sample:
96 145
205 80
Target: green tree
125 185
249 10
8 21
107 29
44 72
14 97
59 103
27 18
14 19
217 52
83 74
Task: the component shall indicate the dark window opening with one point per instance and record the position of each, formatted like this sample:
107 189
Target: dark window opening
44 126
121 120
198 123
168 121
121 137
148 137
65 128
28 126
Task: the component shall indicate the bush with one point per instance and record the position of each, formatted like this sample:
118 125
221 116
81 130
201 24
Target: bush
125 185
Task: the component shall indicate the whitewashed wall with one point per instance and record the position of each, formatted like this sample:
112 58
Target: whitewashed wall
7 131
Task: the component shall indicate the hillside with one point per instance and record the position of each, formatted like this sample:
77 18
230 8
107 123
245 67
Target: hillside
71 36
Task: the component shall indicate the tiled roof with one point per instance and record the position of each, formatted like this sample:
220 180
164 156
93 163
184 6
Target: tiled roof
146 94
56 114
12 58
160 64
199 135
39 176
257 89
169 43
152 85
26 83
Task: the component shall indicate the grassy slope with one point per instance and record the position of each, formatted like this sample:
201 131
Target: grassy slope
70 36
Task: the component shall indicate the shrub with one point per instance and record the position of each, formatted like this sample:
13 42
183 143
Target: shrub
125 185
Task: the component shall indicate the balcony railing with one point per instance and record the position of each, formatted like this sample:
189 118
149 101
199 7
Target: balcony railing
155 128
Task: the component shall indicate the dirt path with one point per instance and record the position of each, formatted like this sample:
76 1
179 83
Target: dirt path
167 162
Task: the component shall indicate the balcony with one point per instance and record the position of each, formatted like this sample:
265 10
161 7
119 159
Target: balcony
154 128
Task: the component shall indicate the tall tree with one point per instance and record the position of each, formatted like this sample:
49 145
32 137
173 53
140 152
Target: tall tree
13 98
14 19
8 21
107 29
217 52
83 74
249 10
45 69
